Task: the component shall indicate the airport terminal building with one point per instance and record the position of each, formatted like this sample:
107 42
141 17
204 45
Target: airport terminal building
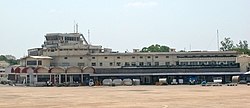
68 57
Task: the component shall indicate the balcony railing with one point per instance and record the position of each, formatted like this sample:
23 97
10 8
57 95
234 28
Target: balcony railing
233 65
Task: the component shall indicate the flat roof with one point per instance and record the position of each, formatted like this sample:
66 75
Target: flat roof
166 53
38 57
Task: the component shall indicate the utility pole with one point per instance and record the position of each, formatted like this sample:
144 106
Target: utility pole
218 41
88 36
74 26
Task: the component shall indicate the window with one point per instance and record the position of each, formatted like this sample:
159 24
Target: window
147 79
156 56
177 63
127 64
211 62
33 62
80 64
156 63
133 63
39 62
118 63
202 63
71 38
230 62
43 78
167 63
148 63
184 63
93 57
149 57
167 56
141 63
133 57
193 63
118 57
80 57
105 57
65 64
65 57
141 57
110 64
100 64
93 64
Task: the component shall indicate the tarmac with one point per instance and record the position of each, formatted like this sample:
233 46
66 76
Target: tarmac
170 96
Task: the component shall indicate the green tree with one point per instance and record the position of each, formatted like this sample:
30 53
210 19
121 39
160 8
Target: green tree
155 48
245 44
144 49
227 44
10 61
3 58
242 46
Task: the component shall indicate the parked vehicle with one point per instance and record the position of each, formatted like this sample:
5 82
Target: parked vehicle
91 82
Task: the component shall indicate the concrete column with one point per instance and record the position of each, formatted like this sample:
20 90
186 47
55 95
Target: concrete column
50 78
35 78
36 62
30 78
66 77
26 79
59 78
71 79
81 78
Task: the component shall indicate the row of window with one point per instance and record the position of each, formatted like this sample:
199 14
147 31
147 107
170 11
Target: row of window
53 50
156 63
126 64
133 57
34 62
202 56
71 38
54 38
206 63
91 50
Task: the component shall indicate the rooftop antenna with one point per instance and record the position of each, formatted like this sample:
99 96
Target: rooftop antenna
218 41
190 47
76 27
88 36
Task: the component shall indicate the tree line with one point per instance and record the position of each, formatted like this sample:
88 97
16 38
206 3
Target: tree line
10 61
228 45
155 48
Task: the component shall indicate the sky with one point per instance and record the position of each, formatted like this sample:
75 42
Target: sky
124 25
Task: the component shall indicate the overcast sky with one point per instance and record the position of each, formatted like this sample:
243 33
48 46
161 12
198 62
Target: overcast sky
124 24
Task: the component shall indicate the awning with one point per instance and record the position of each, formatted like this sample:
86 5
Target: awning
159 74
